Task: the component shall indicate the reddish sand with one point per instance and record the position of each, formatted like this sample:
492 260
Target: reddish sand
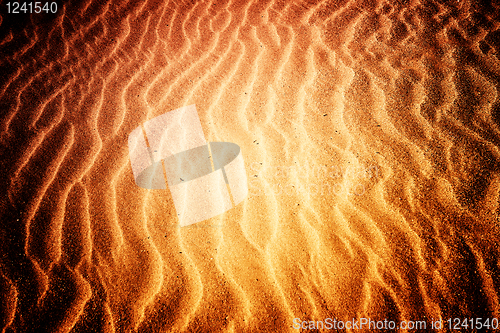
370 134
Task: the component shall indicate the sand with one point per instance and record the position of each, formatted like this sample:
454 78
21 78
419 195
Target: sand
370 135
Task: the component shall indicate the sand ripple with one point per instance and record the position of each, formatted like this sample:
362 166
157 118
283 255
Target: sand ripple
370 132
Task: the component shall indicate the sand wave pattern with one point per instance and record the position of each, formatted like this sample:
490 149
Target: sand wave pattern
370 131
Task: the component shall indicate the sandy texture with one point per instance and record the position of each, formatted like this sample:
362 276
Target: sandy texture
370 135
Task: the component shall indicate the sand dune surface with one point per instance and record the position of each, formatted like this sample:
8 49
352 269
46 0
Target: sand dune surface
370 136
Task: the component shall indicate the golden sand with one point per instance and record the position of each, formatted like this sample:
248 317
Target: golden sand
370 135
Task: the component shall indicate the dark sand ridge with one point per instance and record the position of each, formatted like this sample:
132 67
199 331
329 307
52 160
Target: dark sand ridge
370 135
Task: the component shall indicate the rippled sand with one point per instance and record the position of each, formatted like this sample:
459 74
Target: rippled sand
370 134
